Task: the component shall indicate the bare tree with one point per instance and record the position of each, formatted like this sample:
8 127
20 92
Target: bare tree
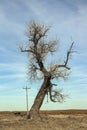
38 49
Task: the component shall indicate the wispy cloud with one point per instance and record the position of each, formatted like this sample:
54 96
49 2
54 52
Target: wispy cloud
12 67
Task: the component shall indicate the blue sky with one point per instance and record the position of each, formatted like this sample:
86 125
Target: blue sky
68 21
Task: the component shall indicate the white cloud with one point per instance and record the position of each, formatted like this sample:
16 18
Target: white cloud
79 71
8 26
12 67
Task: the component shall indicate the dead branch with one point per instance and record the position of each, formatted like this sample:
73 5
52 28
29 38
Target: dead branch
36 32
56 95
67 57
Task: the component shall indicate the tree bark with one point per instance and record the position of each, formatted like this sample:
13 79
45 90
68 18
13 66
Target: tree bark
34 111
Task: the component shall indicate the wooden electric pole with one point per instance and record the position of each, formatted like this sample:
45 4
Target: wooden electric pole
26 88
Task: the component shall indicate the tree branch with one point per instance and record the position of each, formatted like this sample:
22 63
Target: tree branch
25 50
55 95
67 58
68 53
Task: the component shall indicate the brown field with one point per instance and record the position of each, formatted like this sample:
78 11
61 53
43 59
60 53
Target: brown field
50 120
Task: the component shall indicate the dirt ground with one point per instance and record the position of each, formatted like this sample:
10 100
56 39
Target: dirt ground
49 121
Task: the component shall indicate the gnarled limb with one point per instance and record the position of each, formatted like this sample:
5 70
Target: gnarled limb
67 57
65 65
56 95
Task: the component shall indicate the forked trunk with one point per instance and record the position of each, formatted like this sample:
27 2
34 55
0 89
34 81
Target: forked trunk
34 111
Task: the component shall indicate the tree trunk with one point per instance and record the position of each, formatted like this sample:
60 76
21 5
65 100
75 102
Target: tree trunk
34 111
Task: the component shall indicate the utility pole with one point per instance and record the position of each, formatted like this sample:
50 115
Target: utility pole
26 88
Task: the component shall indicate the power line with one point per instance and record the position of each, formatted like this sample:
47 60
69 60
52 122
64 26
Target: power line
26 88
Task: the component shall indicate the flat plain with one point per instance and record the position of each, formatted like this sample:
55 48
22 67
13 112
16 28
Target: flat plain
50 120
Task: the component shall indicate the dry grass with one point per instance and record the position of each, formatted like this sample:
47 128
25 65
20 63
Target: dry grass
51 120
